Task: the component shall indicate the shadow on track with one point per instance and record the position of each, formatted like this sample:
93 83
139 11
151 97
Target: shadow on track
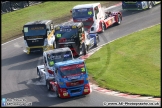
39 92
20 58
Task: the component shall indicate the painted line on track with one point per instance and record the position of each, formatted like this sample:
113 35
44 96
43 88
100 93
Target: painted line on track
12 40
96 49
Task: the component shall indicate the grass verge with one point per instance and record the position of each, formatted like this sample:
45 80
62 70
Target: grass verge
59 11
130 64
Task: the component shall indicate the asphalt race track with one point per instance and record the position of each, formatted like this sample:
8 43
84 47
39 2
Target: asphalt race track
19 78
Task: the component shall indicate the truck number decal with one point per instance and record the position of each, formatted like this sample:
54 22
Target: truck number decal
51 63
73 26
58 35
25 29
83 69
89 12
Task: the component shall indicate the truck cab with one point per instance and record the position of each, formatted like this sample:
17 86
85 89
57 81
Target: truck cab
138 5
94 18
51 57
91 15
72 34
71 79
38 36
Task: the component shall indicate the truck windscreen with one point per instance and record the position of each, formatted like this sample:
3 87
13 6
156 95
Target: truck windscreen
88 23
35 30
81 13
59 57
72 70
66 33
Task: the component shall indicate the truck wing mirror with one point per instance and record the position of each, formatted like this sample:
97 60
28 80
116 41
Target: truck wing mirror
88 37
56 71
48 32
51 78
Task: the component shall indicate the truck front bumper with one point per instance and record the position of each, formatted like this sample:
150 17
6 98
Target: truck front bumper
38 49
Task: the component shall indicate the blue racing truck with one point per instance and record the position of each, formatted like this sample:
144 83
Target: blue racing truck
138 5
70 79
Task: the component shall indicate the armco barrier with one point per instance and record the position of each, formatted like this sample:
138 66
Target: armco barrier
9 6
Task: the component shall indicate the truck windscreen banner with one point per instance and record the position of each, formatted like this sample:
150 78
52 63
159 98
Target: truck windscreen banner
35 30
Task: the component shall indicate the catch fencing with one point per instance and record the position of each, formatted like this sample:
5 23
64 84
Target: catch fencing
9 6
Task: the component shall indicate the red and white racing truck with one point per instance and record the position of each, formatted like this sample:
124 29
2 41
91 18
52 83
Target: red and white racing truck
94 18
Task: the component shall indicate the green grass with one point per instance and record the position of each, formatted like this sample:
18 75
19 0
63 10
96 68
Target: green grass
130 64
13 22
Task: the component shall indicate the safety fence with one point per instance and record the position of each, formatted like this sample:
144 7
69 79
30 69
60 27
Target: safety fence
9 6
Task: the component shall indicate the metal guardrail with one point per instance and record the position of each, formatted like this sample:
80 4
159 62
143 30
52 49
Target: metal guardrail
9 6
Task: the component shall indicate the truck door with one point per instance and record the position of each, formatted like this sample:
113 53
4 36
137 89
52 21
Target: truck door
45 64
97 17
56 74
50 34
96 11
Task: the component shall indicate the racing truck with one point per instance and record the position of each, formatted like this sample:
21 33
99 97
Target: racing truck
39 36
138 5
95 18
51 57
70 79
72 34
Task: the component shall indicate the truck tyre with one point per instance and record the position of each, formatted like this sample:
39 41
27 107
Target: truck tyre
48 85
119 19
97 41
87 48
38 73
103 27
84 50
153 2
57 94
150 4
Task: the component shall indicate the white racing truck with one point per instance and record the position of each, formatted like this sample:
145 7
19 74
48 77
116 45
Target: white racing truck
95 18
51 57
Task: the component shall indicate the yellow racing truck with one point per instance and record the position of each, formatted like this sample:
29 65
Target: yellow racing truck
39 36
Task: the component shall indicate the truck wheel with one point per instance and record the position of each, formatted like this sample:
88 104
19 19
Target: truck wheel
84 51
97 41
153 2
103 27
149 4
87 48
48 85
57 94
119 19
38 73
